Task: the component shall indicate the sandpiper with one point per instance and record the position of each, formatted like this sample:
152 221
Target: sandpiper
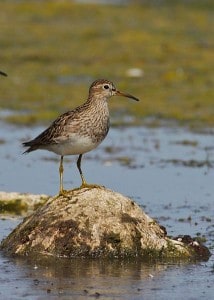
79 130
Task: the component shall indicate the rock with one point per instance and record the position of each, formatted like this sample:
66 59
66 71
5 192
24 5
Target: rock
20 203
93 223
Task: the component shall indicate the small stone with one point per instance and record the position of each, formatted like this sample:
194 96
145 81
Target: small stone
135 72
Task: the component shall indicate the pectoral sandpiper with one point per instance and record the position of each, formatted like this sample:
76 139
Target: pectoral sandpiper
79 130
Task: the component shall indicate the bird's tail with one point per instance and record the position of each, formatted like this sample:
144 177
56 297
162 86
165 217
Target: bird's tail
31 147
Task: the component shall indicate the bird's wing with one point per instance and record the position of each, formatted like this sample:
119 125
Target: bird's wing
58 131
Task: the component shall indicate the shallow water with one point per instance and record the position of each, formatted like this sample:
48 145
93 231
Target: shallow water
168 171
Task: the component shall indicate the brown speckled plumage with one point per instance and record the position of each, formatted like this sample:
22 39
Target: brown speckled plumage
81 129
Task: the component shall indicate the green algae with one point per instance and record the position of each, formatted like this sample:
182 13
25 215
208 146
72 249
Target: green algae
52 52
15 207
19 206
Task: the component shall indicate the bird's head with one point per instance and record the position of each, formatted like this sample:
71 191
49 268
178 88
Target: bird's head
106 89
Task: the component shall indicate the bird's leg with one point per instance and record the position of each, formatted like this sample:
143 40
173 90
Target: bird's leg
84 183
61 170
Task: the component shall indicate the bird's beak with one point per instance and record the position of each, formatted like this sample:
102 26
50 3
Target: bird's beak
118 93
2 73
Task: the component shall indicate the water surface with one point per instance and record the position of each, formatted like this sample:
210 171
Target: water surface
168 171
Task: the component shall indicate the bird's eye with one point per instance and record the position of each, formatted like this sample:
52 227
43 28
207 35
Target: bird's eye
106 86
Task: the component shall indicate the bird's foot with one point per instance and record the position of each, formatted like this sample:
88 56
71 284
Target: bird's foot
63 193
90 186
85 185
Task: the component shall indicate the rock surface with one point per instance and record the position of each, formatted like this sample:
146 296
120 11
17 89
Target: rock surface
93 223
20 203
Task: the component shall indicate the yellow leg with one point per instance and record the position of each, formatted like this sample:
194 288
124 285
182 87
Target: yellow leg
79 168
84 183
61 170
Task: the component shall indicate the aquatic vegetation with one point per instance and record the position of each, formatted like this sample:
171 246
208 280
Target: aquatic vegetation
52 51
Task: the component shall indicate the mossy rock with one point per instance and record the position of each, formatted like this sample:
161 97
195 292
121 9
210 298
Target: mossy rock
95 223
20 203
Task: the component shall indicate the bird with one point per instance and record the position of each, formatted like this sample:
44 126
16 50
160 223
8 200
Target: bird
3 73
79 130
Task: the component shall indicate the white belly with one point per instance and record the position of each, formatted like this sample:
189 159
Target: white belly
72 146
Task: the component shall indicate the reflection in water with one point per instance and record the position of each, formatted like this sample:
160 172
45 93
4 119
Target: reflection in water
86 277
107 279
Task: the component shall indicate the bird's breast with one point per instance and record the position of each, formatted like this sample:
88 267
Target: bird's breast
82 135
73 145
